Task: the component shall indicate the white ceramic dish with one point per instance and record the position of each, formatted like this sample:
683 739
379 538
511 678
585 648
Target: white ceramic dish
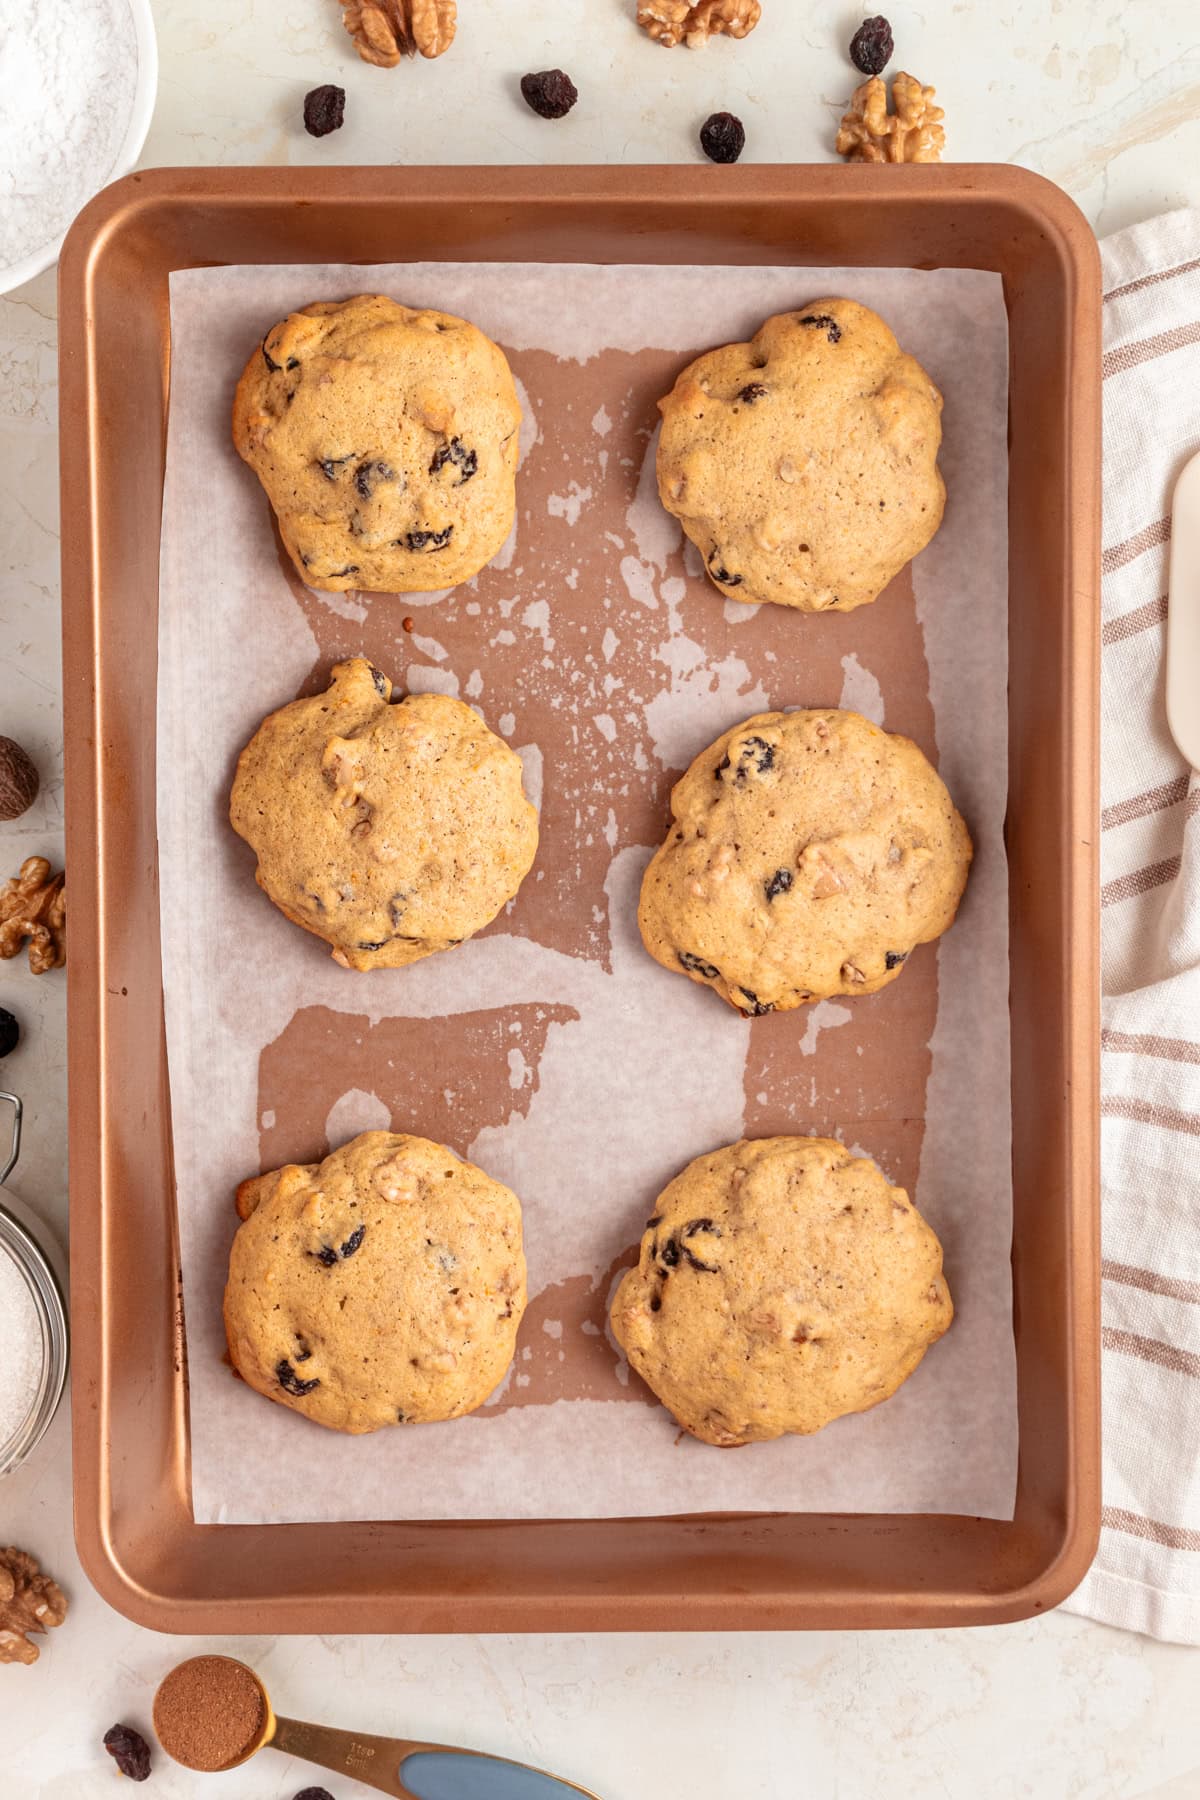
42 256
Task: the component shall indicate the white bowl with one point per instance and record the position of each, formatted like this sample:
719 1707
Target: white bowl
140 113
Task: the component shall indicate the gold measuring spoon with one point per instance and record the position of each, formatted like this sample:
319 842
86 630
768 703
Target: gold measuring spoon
404 1768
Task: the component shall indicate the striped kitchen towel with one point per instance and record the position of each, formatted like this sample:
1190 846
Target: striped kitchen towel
1147 1573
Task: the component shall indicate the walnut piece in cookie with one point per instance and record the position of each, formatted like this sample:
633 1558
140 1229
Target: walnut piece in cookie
693 22
385 30
913 133
33 906
30 1603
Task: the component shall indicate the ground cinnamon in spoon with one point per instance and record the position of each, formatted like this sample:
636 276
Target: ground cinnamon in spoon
209 1713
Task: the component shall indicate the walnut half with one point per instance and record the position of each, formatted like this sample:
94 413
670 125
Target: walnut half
913 133
29 1604
693 22
385 30
33 905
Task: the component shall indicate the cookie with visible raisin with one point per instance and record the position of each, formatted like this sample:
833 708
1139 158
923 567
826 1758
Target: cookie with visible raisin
390 829
809 853
803 465
383 1286
386 439
782 1283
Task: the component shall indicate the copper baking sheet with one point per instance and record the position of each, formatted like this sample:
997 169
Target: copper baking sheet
134 1523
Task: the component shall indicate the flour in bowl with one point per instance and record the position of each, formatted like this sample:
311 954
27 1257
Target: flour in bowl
21 1349
68 71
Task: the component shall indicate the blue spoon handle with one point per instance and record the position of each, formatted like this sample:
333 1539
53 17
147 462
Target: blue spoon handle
415 1771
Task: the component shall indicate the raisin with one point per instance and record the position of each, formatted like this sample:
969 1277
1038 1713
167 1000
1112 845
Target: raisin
429 540
696 1227
656 1303
129 1750
721 768
550 93
753 390
667 1253
303 1349
368 475
332 466
322 1793
823 322
10 1032
755 755
457 454
354 1241
893 958
719 572
695 966
779 883
754 1006
651 1223
336 574
871 46
274 367
324 110
697 1263
367 946
722 137
326 1255
290 1382
293 362
380 680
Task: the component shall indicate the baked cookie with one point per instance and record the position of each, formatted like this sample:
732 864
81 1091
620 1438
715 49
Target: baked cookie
391 831
810 852
386 438
803 465
782 1282
383 1286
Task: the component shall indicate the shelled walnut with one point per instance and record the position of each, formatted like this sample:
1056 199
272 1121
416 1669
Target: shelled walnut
30 1603
913 133
385 30
33 906
693 22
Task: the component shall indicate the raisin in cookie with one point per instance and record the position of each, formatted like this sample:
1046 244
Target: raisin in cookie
383 1286
391 831
386 438
803 465
810 852
782 1282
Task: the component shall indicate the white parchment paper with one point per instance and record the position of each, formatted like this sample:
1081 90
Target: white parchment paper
636 1070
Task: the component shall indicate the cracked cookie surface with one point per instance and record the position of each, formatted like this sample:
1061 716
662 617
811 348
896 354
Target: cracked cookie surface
383 1286
781 1283
390 830
803 464
809 853
386 439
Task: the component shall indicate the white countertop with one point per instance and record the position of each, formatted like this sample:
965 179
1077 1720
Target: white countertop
1104 99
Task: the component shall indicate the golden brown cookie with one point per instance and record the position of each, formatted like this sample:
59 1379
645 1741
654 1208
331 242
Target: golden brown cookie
383 1286
809 853
782 1282
803 465
389 830
386 439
